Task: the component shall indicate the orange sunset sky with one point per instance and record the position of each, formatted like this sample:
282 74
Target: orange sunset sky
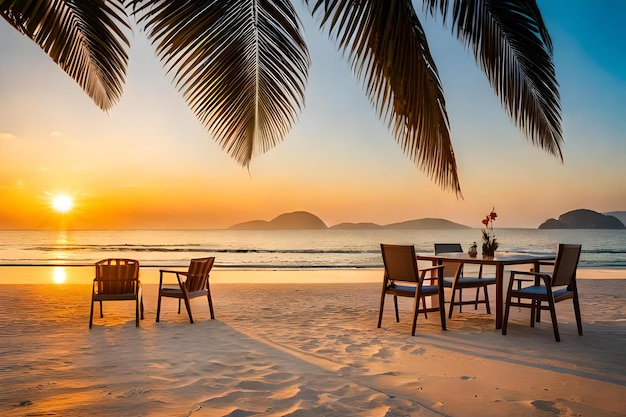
148 163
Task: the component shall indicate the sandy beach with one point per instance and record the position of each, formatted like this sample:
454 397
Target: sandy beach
309 349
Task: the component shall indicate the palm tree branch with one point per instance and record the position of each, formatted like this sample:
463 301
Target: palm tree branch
512 46
85 38
388 51
241 65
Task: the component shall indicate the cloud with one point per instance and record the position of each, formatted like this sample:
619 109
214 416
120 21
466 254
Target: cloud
56 134
7 136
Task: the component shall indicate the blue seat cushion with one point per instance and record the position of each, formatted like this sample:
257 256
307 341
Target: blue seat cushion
447 282
542 290
429 289
426 289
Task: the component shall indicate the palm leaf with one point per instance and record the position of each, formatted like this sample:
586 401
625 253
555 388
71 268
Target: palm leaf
388 51
241 65
512 46
84 38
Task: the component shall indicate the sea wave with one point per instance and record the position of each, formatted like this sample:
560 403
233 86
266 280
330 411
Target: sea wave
285 249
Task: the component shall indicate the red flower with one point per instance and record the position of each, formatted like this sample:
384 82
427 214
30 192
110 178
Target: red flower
486 221
493 215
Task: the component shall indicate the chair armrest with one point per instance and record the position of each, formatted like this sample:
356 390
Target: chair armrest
546 277
530 273
432 268
171 271
432 278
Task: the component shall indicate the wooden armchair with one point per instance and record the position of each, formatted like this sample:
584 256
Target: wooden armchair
548 288
457 281
403 278
117 280
191 284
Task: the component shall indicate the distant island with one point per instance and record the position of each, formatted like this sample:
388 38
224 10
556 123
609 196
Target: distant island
620 215
298 220
302 220
583 219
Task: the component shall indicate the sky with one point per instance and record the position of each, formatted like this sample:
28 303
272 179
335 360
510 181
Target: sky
148 163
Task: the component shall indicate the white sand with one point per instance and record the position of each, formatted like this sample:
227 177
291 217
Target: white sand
304 350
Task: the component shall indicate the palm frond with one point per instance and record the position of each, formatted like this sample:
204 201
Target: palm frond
85 38
241 65
388 51
512 46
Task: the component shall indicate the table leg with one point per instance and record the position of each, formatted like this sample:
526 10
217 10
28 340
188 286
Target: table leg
499 294
441 301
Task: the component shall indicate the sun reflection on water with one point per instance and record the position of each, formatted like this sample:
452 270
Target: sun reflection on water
59 275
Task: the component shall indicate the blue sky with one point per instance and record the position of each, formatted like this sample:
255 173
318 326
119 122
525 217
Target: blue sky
149 163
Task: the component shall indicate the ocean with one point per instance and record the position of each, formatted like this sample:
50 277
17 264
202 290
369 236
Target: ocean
284 249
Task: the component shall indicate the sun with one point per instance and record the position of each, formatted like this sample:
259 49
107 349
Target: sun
62 203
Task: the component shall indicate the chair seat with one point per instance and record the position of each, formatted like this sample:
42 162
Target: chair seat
542 290
426 289
111 297
177 292
469 282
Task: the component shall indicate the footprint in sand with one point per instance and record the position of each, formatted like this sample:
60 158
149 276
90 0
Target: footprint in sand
133 393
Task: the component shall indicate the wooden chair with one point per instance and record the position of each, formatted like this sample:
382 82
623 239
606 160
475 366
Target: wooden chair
558 286
117 280
454 278
402 278
191 284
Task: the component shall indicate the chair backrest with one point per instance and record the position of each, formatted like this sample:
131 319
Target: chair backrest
117 276
198 274
447 247
449 268
566 263
400 262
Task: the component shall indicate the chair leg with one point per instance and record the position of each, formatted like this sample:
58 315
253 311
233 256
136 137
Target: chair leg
416 307
101 316
158 313
486 299
538 315
91 314
395 304
187 304
442 309
535 306
179 306
424 306
452 303
137 312
477 299
461 299
210 304
555 326
507 307
579 322
382 305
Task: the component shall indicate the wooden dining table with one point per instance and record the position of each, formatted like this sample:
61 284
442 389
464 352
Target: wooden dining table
499 261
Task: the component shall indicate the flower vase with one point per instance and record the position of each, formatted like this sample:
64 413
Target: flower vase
488 251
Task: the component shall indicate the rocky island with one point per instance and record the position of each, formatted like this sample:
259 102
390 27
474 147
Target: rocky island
302 220
583 219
